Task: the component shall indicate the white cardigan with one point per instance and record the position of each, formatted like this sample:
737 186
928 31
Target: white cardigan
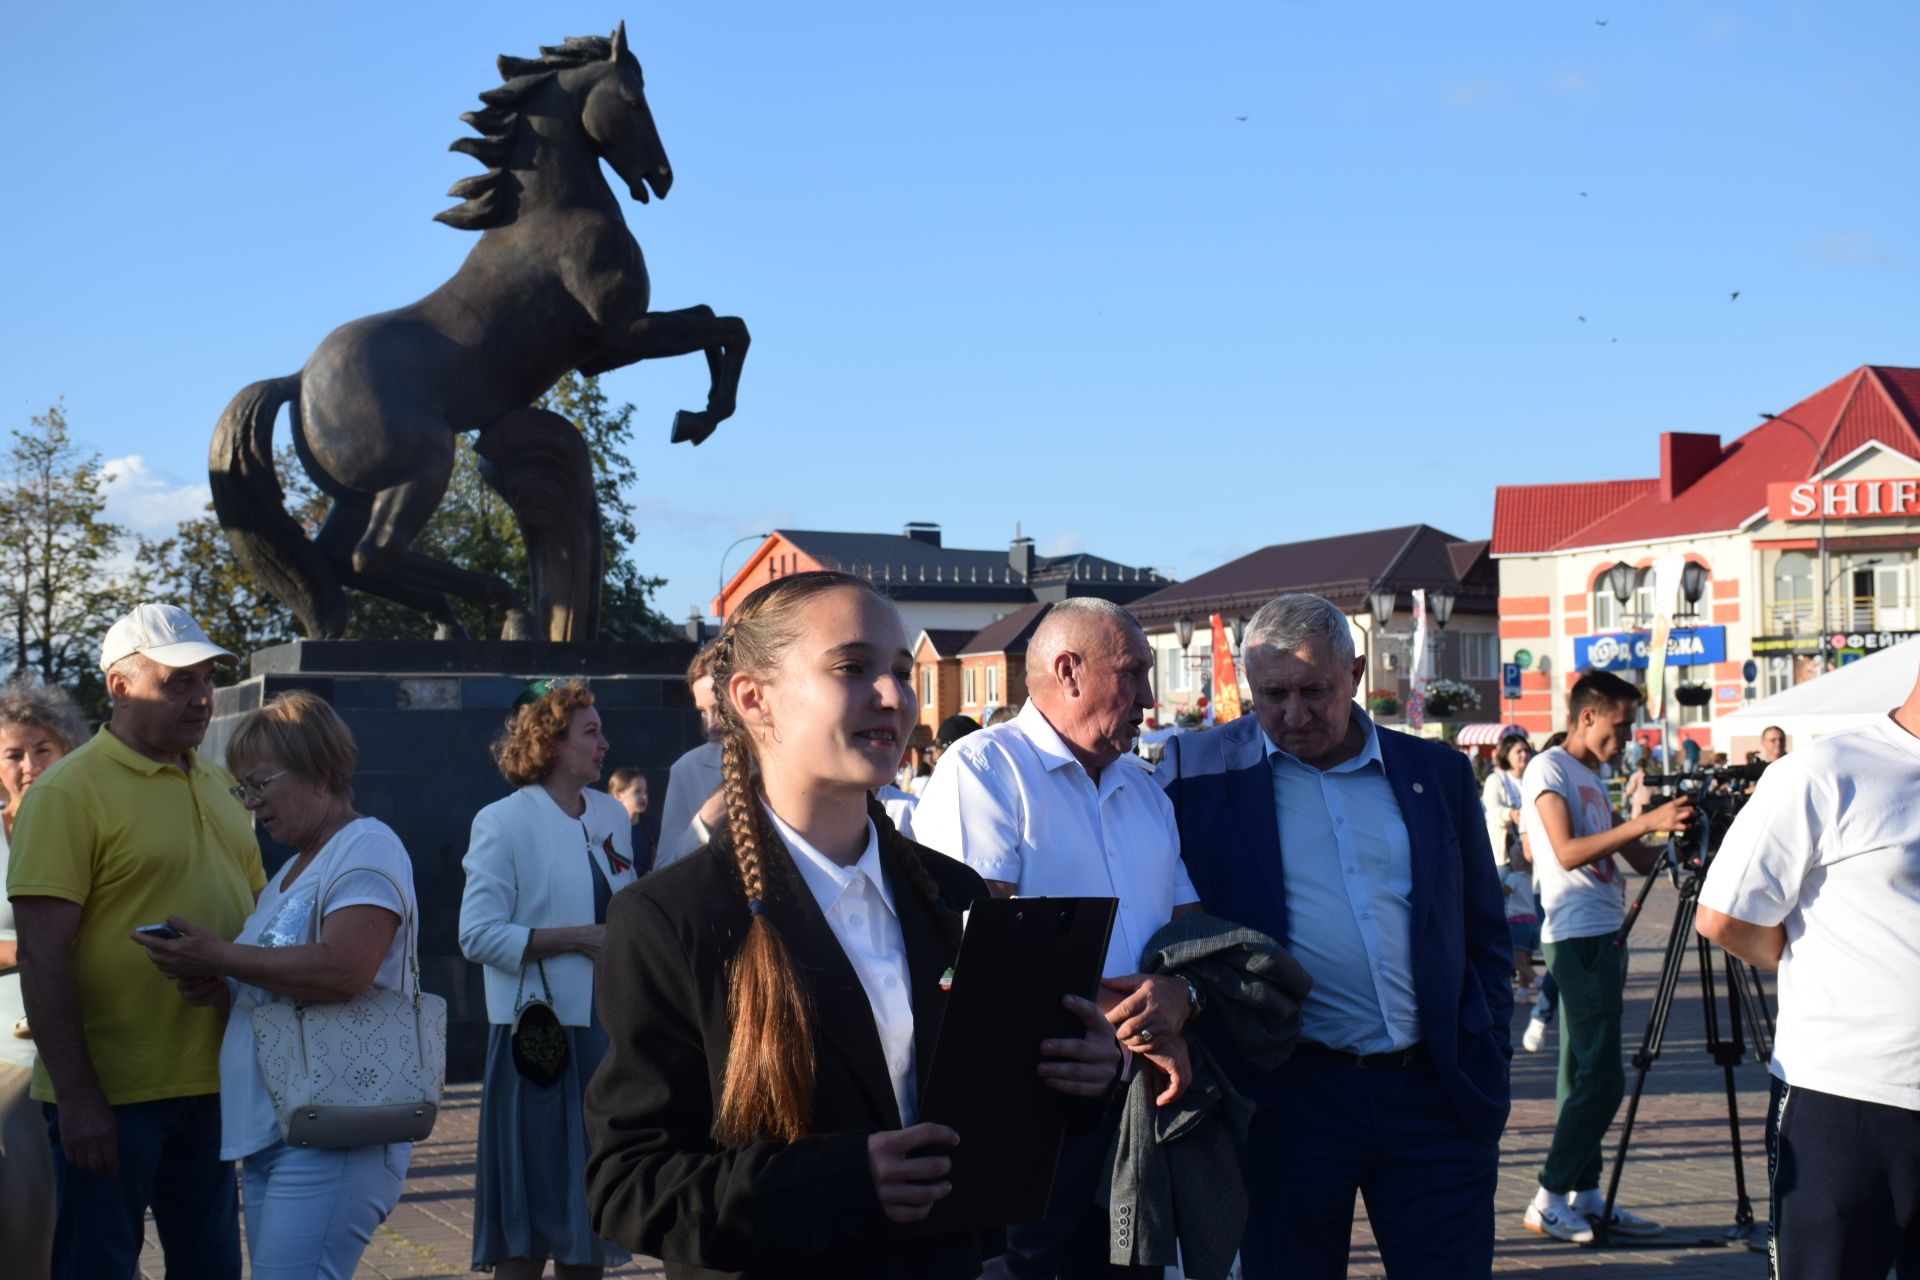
527 869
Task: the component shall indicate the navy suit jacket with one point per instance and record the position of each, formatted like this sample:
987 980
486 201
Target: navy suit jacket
1222 791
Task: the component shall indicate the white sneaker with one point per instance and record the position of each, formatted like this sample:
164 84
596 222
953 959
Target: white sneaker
1557 1219
1591 1205
1534 1036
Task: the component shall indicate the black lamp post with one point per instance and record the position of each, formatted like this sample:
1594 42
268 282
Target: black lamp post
1440 600
1183 630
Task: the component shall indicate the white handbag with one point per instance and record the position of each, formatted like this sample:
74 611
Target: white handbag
358 1072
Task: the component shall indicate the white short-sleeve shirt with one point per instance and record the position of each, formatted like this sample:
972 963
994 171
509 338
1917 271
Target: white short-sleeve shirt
1013 803
1829 846
1586 901
284 918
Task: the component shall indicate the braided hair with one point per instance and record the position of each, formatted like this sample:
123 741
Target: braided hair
767 1089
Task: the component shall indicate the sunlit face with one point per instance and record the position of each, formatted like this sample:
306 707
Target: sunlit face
1115 691
1518 756
1773 745
165 709
1304 697
288 807
26 752
838 709
1606 729
581 751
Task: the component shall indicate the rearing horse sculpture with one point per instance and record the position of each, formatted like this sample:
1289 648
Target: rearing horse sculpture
555 283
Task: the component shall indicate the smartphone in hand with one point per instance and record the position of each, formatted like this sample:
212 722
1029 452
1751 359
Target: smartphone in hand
165 931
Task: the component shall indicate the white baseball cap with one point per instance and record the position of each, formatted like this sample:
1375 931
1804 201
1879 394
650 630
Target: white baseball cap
165 633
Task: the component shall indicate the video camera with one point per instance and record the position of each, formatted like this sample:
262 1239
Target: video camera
1718 793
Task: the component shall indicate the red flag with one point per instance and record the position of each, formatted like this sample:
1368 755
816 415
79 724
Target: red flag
1226 680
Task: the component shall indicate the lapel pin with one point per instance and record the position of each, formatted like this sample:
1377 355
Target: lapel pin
1418 789
946 979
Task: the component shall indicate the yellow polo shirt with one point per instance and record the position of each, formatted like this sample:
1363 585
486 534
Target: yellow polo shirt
134 841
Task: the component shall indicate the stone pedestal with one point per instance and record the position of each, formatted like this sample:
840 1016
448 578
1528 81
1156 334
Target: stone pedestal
423 714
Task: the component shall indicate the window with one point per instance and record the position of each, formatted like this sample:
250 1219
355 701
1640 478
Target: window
967 686
1478 655
1174 675
1793 609
1777 671
993 685
926 686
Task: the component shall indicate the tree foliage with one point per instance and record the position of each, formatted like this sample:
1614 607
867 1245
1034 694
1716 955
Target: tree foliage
57 553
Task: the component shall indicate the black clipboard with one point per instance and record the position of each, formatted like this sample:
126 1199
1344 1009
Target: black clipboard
1018 957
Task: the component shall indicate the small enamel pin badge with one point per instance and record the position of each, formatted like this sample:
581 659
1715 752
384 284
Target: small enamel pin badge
946 979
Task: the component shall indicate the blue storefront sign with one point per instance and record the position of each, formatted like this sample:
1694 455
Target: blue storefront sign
1686 647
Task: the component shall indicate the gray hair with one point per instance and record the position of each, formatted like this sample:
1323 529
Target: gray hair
48 708
1061 630
1286 622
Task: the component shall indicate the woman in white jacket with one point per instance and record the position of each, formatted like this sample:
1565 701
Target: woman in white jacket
541 867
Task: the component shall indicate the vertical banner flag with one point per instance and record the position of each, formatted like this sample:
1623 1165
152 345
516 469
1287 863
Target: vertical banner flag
1420 669
1226 681
1666 589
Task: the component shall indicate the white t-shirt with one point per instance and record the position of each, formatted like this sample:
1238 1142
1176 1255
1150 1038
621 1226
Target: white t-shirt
1587 901
283 918
1829 846
16 1052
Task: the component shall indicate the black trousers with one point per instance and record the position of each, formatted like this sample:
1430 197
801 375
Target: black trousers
1846 1187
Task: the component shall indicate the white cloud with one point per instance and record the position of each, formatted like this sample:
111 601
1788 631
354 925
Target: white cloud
1469 91
1851 249
149 501
1061 544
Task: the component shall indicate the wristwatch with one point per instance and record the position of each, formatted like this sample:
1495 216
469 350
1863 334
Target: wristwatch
1195 1000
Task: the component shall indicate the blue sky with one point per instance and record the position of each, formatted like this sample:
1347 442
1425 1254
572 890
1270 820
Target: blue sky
1017 262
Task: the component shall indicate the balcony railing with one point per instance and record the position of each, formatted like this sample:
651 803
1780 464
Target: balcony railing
1844 613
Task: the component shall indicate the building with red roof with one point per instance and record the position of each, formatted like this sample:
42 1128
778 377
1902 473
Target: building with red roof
1749 511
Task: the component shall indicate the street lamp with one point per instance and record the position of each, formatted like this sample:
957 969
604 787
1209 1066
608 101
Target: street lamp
1620 580
1820 500
1441 599
1183 630
1693 585
746 537
1381 600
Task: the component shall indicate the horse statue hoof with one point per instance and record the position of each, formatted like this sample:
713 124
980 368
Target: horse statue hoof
692 427
518 626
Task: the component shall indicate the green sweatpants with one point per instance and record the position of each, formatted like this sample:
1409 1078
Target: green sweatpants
1590 973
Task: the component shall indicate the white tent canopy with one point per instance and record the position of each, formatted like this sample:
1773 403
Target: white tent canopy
1853 694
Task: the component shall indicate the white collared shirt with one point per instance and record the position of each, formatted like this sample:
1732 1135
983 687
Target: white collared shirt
1013 803
1348 868
858 906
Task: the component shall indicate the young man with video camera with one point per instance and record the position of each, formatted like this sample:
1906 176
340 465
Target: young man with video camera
1819 877
1574 834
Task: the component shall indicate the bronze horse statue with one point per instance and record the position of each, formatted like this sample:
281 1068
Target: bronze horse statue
556 282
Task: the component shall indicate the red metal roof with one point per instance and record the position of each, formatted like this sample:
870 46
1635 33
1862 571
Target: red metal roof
1873 403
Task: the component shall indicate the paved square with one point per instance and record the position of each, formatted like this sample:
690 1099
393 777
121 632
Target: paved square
1680 1172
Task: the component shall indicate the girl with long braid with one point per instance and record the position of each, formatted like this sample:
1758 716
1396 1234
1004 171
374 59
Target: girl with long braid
772 1001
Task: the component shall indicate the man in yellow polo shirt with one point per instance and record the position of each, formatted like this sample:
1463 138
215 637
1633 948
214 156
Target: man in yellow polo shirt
128 830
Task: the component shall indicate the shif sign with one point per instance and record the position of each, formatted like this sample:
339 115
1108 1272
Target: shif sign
1844 499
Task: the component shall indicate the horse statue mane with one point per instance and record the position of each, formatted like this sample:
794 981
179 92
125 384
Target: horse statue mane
555 283
492 199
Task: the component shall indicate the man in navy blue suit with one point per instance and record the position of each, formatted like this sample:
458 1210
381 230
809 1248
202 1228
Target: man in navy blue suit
1365 854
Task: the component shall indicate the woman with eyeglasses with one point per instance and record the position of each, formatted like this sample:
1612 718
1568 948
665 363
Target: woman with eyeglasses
541 867
38 725
310 1211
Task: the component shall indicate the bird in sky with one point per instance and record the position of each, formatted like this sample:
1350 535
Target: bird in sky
1735 297
1241 119
1600 22
1583 195
1581 319
1613 339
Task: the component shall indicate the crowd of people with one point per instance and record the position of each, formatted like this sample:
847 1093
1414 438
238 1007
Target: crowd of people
710 1044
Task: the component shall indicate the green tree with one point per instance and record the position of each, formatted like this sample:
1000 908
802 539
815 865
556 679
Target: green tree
56 558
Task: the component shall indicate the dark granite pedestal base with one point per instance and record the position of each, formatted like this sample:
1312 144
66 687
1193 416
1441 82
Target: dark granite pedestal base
423 714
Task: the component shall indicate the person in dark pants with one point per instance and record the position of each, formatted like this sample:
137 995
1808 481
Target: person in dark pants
772 1000
1365 854
1819 877
133 827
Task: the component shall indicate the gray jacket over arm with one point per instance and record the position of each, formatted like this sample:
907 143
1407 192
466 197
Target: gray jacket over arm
1176 1180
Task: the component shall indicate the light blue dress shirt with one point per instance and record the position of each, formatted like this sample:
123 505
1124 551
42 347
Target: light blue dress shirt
1349 878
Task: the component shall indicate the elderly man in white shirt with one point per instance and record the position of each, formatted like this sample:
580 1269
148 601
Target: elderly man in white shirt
693 805
1043 805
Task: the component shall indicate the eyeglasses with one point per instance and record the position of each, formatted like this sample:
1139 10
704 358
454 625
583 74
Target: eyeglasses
252 792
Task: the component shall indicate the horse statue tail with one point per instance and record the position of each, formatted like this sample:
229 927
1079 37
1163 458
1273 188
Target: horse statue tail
252 508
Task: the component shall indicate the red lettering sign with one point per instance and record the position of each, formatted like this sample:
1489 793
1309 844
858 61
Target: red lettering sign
1844 499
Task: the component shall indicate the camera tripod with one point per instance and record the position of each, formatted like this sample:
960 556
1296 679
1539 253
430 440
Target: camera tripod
1747 1019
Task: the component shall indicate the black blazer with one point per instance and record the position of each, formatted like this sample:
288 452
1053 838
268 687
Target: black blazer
658 1182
